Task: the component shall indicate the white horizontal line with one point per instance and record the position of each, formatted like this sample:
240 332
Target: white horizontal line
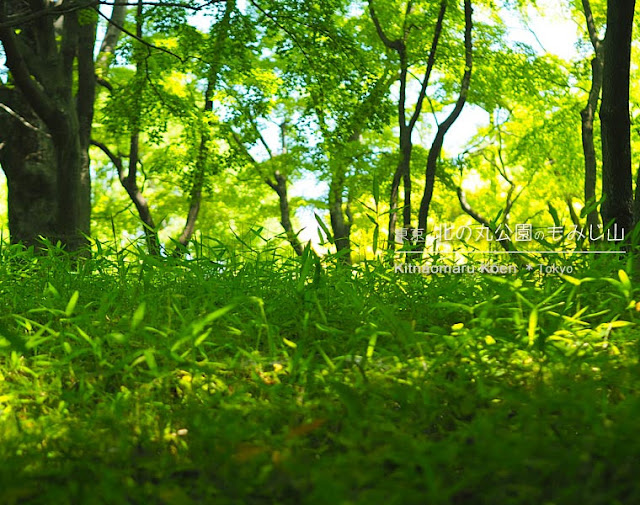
516 252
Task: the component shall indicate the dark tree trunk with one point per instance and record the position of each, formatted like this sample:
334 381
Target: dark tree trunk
341 227
403 170
590 160
195 201
129 179
436 146
195 197
614 117
27 157
393 207
129 183
46 65
588 115
85 104
280 187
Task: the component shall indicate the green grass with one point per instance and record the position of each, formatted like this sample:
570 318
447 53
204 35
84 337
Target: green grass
126 379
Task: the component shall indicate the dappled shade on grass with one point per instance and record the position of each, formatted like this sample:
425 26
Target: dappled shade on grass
145 380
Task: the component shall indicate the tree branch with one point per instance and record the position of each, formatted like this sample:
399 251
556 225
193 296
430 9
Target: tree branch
11 21
26 123
139 39
430 64
111 37
33 92
180 5
436 146
507 245
591 25
116 160
396 44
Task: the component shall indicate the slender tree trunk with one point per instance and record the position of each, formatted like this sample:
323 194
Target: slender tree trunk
393 207
403 170
406 149
341 227
130 181
590 160
436 146
614 117
278 184
195 197
280 187
111 38
195 200
130 185
588 115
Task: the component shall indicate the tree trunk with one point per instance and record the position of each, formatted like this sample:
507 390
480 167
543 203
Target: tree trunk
46 66
280 187
393 208
617 207
27 157
403 170
195 201
129 183
587 115
436 146
590 160
341 228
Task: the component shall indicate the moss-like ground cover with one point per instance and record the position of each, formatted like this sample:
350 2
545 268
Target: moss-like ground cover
134 380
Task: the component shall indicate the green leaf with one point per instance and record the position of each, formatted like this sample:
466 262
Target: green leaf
218 313
554 214
200 339
200 324
376 190
72 303
533 326
571 280
324 228
150 359
372 345
307 262
624 278
618 324
376 235
288 342
138 315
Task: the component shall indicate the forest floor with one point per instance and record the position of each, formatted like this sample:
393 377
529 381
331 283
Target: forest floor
134 380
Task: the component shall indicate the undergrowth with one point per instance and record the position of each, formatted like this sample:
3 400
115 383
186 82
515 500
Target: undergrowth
224 379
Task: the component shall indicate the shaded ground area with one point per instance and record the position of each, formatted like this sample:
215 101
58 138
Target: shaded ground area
145 381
